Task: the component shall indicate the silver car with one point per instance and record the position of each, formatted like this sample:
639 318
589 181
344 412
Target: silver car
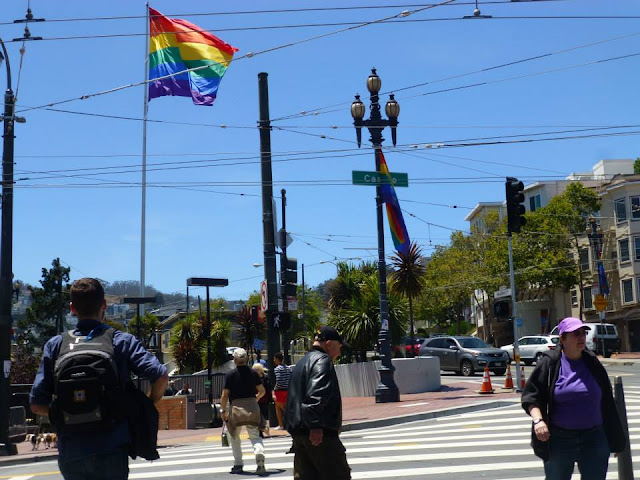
532 347
465 355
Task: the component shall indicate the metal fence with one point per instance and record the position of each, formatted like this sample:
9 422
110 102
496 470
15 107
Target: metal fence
197 384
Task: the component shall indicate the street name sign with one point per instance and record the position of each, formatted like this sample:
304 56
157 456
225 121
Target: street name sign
360 177
505 292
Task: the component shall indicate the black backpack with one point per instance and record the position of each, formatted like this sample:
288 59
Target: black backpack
87 392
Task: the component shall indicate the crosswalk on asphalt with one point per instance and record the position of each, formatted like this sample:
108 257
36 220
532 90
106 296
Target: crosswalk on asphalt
491 444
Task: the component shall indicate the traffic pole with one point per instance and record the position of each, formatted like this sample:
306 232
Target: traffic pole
625 464
514 310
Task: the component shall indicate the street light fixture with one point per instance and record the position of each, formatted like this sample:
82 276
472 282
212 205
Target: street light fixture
208 282
137 301
387 390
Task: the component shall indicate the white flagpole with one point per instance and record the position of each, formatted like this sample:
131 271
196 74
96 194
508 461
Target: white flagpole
144 164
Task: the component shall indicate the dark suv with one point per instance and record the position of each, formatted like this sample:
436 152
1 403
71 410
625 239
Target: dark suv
465 355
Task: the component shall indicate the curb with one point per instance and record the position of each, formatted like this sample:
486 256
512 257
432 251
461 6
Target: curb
381 422
414 417
18 460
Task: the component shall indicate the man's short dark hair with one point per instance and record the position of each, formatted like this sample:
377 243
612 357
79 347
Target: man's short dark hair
279 356
87 296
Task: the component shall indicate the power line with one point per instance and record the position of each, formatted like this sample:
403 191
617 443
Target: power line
319 111
277 11
248 55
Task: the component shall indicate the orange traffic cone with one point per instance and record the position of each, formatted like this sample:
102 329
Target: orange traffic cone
508 381
486 382
523 382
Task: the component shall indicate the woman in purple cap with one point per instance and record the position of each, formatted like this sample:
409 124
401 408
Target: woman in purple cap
570 401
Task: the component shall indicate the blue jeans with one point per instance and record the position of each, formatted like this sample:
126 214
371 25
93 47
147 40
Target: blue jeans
113 465
589 448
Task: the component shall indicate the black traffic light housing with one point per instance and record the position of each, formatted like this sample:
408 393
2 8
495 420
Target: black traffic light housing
289 276
515 207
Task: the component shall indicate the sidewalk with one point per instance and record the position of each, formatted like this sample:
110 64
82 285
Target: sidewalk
358 413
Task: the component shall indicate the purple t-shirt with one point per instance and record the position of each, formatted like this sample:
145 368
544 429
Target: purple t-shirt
577 397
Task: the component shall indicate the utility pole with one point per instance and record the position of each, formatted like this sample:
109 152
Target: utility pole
6 265
268 234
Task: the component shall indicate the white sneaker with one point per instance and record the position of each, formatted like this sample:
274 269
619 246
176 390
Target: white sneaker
277 428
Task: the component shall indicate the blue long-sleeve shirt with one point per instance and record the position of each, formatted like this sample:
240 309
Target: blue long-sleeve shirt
130 356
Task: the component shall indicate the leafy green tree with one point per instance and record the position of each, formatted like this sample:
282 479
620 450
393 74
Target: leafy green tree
358 317
248 329
636 166
24 364
186 344
49 301
407 279
148 328
313 307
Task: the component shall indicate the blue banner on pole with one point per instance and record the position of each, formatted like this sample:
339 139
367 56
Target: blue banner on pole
258 344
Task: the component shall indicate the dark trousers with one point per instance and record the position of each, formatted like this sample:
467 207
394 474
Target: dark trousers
327 461
588 448
112 465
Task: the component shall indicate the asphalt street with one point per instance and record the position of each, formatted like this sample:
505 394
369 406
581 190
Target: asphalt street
492 444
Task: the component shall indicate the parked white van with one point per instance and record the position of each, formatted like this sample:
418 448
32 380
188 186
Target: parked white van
600 333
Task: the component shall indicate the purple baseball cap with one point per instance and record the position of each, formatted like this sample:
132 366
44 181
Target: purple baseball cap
571 324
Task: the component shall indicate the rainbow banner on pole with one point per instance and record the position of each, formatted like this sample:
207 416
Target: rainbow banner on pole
394 214
175 47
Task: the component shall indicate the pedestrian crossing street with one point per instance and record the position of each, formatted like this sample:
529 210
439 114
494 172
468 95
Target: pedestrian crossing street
491 444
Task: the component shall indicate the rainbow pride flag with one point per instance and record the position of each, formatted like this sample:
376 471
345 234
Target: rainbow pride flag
177 45
394 214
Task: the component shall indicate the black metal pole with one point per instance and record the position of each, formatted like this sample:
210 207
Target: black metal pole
6 266
268 234
138 333
59 321
625 464
209 390
284 339
387 390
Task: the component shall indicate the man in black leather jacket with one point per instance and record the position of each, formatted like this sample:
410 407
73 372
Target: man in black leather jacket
313 415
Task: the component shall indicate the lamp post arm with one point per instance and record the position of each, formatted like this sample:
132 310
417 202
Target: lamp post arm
6 59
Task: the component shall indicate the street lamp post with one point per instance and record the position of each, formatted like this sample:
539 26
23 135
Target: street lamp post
387 390
208 282
6 255
594 232
137 301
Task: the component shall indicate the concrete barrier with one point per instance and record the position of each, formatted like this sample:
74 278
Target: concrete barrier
412 375
417 375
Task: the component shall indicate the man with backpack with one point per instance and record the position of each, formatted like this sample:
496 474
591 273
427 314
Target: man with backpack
82 383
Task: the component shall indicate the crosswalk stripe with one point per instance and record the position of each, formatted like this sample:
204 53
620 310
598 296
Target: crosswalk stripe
494 441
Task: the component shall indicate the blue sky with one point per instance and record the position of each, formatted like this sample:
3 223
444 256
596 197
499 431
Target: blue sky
211 225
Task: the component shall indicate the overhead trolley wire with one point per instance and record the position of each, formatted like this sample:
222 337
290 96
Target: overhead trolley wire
245 56
323 110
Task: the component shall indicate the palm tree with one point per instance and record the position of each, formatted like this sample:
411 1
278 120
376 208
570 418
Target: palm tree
359 318
186 345
248 329
407 279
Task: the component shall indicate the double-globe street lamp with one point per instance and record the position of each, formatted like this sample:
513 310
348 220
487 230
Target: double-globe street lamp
387 390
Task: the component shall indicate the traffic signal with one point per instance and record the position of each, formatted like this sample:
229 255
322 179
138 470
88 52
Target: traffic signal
254 314
515 207
502 309
289 275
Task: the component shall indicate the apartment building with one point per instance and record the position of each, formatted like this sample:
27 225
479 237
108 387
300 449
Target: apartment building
619 220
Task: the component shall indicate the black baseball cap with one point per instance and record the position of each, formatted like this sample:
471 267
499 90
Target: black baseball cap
330 333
